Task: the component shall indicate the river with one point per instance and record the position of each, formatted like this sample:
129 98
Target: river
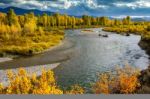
84 54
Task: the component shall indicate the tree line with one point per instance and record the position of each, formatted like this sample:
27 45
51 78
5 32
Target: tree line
57 20
29 33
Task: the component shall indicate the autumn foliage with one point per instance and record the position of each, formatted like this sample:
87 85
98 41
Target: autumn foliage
22 83
75 89
121 81
29 34
22 34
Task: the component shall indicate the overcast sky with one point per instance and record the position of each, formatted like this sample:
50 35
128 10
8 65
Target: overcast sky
90 7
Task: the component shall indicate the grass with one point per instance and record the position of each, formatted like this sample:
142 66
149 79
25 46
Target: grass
31 43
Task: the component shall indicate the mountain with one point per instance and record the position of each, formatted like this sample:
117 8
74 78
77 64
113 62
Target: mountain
133 18
144 18
20 11
140 19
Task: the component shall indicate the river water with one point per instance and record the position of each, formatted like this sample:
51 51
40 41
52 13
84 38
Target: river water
93 54
84 54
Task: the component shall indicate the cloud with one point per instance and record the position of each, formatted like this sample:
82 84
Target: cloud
94 4
28 4
2 4
58 4
134 5
80 7
61 4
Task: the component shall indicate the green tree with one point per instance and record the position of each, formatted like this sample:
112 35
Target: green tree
12 18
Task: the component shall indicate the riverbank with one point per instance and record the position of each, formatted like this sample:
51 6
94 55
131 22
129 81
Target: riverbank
11 57
5 59
32 69
144 44
10 52
32 46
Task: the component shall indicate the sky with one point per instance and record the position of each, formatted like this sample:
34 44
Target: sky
115 8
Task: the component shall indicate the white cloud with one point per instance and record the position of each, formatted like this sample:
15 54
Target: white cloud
29 4
66 4
93 4
59 4
134 5
62 4
2 4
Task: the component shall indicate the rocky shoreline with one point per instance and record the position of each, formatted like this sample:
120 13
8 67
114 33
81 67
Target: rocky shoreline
145 45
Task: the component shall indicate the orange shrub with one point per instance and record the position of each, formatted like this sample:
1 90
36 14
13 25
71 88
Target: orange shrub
122 80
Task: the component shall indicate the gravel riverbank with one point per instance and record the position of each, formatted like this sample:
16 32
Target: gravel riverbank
32 69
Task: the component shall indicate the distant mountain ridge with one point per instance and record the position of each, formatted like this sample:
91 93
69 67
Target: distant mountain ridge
134 18
20 11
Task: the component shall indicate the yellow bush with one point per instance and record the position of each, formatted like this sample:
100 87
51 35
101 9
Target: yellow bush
123 81
30 27
22 83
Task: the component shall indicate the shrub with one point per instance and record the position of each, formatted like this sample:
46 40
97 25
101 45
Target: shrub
22 83
75 89
122 81
145 81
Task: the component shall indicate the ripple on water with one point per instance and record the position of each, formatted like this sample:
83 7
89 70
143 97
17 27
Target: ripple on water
98 54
